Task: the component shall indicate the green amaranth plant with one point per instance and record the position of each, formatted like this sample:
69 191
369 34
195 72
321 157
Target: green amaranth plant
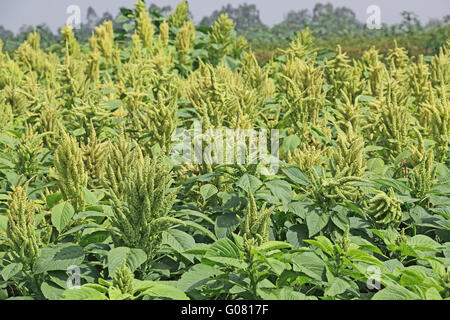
254 227
123 279
179 15
348 159
328 192
423 177
94 156
21 231
385 208
143 216
122 158
72 176
27 152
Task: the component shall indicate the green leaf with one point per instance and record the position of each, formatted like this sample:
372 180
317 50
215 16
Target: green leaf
61 215
201 229
128 27
197 276
3 223
423 243
115 294
280 294
316 221
53 199
207 191
322 243
310 264
134 258
281 189
51 291
11 270
340 218
83 293
298 208
395 292
226 224
274 245
78 132
225 252
337 286
178 240
290 143
375 164
157 289
433 294
89 197
248 181
296 234
361 256
60 257
296 175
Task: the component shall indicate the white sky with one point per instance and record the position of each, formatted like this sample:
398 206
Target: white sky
14 13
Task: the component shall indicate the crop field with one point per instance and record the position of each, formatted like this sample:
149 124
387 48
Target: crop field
162 161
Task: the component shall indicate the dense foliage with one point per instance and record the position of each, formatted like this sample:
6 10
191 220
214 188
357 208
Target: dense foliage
359 208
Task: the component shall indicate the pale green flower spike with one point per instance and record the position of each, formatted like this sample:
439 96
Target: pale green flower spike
180 15
141 219
254 227
71 171
385 208
123 279
94 155
23 241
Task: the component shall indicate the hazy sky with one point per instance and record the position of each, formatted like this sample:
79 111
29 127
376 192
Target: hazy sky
14 13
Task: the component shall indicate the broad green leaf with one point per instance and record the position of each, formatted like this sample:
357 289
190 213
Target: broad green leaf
296 175
53 199
115 294
323 243
200 228
361 256
61 215
281 189
248 181
296 234
316 221
52 291
207 191
197 276
423 243
225 252
310 264
178 240
3 223
290 143
281 294
11 270
395 292
336 287
298 208
156 289
59 257
134 258
83 293
225 225
433 294
274 245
